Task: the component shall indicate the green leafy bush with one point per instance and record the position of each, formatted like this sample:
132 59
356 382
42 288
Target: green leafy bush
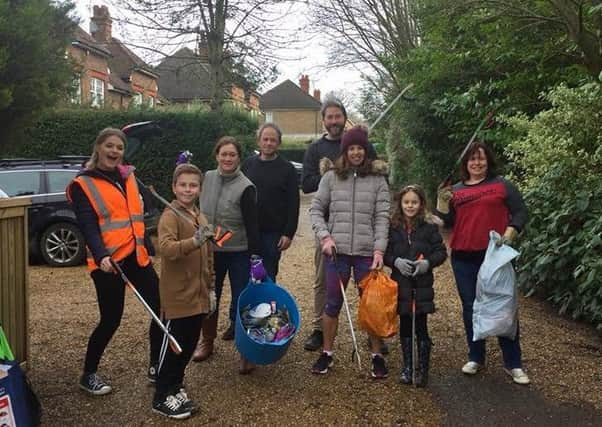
73 131
558 162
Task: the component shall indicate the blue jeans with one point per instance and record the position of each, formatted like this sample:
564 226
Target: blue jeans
269 252
236 264
342 268
465 273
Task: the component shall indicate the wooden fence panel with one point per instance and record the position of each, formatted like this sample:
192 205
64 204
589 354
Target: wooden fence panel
14 274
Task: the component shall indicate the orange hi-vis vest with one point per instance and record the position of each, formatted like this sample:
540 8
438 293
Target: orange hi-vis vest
120 217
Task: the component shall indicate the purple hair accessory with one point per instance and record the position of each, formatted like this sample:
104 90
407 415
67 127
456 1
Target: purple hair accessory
184 157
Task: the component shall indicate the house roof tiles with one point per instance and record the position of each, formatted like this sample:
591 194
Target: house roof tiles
124 61
86 41
184 77
287 95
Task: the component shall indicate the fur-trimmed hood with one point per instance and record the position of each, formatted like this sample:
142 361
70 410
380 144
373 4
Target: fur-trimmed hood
379 167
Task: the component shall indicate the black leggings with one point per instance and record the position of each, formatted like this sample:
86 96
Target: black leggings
110 291
405 326
186 331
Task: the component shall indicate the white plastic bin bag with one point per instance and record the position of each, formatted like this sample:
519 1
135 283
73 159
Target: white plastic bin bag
496 305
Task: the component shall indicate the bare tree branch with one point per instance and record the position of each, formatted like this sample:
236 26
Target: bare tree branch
234 34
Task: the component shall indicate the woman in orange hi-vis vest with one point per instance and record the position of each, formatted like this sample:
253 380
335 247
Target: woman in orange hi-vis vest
110 212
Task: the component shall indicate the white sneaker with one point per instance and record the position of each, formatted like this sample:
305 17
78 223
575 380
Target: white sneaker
518 376
471 368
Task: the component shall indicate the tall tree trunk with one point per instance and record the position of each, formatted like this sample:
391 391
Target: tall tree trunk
588 42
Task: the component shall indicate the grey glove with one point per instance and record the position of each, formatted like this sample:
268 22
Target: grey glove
405 266
420 267
212 302
202 235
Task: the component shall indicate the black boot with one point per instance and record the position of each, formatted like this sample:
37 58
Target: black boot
405 377
424 358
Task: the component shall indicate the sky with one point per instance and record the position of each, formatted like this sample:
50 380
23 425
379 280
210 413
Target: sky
313 56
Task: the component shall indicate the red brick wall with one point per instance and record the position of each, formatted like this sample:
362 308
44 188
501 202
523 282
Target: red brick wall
89 65
144 84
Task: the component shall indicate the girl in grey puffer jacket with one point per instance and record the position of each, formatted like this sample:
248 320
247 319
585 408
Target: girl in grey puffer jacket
350 213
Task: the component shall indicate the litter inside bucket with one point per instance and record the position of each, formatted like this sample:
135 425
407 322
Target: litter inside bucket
251 347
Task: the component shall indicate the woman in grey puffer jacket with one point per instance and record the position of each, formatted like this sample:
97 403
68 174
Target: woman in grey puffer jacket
350 213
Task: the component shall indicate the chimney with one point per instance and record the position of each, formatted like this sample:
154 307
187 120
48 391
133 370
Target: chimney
203 48
101 24
317 95
304 83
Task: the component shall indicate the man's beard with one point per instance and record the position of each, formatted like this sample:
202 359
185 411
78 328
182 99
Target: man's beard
335 130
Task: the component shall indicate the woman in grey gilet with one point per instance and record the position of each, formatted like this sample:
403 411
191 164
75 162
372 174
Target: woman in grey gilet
229 199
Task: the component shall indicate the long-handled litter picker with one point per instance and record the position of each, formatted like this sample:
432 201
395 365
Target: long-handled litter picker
384 113
414 348
448 180
219 237
414 355
355 351
173 343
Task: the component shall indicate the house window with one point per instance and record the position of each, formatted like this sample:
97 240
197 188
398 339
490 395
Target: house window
137 99
151 101
269 117
97 92
76 93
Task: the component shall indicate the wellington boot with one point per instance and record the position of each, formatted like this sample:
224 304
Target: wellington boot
405 376
424 362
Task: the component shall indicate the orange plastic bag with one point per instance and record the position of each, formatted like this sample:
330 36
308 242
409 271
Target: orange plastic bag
378 305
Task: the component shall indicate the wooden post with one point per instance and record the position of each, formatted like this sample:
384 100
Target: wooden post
14 264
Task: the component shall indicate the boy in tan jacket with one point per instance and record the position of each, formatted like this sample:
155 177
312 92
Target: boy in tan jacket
186 288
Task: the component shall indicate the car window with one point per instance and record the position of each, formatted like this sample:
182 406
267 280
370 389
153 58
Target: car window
20 183
58 180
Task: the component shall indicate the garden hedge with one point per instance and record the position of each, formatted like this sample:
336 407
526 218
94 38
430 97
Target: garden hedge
72 132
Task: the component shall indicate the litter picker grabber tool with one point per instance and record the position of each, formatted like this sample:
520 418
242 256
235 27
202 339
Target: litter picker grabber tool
448 180
220 235
384 113
173 343
414 336
355 351
414 352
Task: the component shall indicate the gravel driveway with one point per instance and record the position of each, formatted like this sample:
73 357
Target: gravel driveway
562 357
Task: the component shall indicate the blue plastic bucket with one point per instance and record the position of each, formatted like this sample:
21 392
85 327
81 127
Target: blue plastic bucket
253 294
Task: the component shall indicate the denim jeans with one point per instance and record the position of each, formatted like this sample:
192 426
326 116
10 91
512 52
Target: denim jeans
269 252
237 265
465 273
342 268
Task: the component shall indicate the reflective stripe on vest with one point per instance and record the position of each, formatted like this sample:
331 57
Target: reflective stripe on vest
120 218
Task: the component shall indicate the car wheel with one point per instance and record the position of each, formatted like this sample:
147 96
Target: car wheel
63 245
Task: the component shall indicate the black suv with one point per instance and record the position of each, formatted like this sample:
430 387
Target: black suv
53 232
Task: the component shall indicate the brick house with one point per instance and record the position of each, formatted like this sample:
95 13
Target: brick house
109 74
293 109
184 77
91 69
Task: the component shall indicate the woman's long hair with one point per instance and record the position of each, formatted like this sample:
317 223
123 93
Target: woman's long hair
103 135
397 219
343 168
474 148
